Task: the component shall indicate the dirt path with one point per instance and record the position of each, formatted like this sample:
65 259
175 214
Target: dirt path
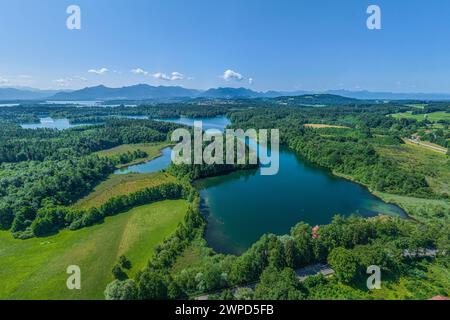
428 146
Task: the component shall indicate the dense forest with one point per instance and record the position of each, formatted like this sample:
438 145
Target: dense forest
17 144
46 168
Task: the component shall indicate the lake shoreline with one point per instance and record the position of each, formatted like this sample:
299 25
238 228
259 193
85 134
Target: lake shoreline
374 193
220 223
144 160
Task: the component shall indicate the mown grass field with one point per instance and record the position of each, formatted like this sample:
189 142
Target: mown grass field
36 268
152 149
434 116
117 185
434 166
417 105
321 126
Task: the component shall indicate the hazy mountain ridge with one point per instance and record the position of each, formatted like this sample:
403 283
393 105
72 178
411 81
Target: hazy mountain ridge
369 95
318 99
136 92
148 92
25 93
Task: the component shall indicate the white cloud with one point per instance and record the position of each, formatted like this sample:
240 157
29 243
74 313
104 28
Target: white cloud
232 75
25 76
63 82
3 81
174 76
98 71
177 76
139 71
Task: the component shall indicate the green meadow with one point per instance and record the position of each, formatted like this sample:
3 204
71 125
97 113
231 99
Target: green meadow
434 166
119 185
433 117
36 268
153 150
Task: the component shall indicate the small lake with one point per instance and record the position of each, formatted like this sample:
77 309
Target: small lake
63 123
219 123
76 103
155 165
135 117
163 161
50 123
242 206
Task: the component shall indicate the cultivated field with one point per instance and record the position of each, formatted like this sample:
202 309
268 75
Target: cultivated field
36 268
434 117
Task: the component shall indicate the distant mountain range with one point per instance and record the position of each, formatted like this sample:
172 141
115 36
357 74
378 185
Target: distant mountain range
25 93
317 99
137 92
161 93
368 95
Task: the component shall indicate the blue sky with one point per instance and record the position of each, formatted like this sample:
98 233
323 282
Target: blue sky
278 44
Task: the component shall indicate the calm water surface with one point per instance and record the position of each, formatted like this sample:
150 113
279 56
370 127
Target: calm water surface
50 123
242 206
155 165
218 123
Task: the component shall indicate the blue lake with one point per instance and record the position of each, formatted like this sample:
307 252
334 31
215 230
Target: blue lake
49 123
242 206
155 165
218 123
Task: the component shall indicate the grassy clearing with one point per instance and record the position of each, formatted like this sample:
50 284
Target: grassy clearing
152 149
194 255
434 116
36 268
428 145
417 105
117 185
421 209
434 166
